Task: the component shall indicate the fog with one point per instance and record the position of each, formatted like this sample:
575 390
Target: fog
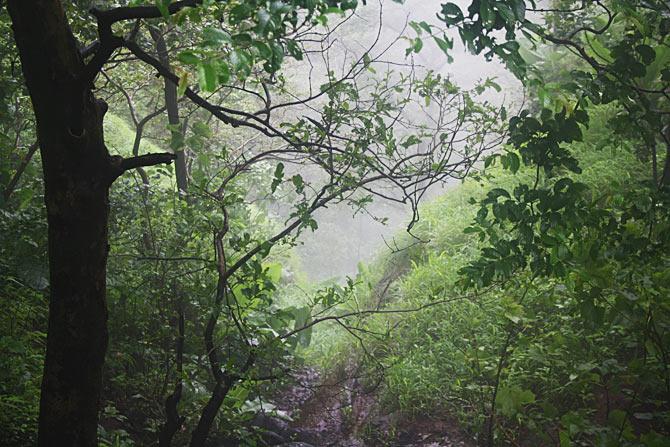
343 240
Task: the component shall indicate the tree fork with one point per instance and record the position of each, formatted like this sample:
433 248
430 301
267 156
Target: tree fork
75 164
78 172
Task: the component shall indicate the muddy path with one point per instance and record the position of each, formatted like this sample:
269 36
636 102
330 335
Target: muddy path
341 409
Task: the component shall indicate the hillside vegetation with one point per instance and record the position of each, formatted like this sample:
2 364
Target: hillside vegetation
570 360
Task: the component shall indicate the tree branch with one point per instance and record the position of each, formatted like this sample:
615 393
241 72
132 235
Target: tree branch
189 93
11 186
119 165
147 160
142 12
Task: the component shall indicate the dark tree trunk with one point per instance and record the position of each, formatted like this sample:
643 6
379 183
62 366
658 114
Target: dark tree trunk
77 174
174 421
172 106
665 175
665 178
201 432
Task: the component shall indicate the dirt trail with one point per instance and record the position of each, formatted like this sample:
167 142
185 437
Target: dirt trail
339 410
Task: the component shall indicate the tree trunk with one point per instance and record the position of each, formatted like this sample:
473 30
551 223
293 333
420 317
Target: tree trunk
77 174
201 432
665 178
172 106
173 421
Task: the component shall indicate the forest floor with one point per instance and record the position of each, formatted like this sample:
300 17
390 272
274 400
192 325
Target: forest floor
338 410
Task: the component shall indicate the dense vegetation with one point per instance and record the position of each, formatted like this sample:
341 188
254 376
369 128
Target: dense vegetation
557 362
528 305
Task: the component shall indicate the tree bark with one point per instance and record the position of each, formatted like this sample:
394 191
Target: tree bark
78 172
174 421
209 412
665 175
172 106
665 178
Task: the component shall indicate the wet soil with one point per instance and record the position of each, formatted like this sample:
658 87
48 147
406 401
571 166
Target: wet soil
342 409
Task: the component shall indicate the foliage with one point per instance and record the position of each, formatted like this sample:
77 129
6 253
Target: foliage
535 307
561 364
558 331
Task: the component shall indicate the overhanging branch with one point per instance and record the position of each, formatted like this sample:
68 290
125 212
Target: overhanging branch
119 165
147 160
142 12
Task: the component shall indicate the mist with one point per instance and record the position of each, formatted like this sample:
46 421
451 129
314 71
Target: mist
346 237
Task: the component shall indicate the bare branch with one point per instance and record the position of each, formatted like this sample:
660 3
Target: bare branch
360 313
11 186
120 165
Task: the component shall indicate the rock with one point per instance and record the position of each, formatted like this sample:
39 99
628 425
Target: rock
306 436
270 423
276 431
271 438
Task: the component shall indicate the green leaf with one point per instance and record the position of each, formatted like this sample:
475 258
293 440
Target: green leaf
647 53
506 13
425 26
417 29
514 162
223 71
303 317
366 59
294 49
298 183
278 176
498 192
162 6
188 58
202 130
519 9
215 36
264 49
510 400
486 13
242 40
238 395
418 45
570 131
273 271
333 10
452 14
207 77
445 44
264 18
564 439
410 141
600 51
